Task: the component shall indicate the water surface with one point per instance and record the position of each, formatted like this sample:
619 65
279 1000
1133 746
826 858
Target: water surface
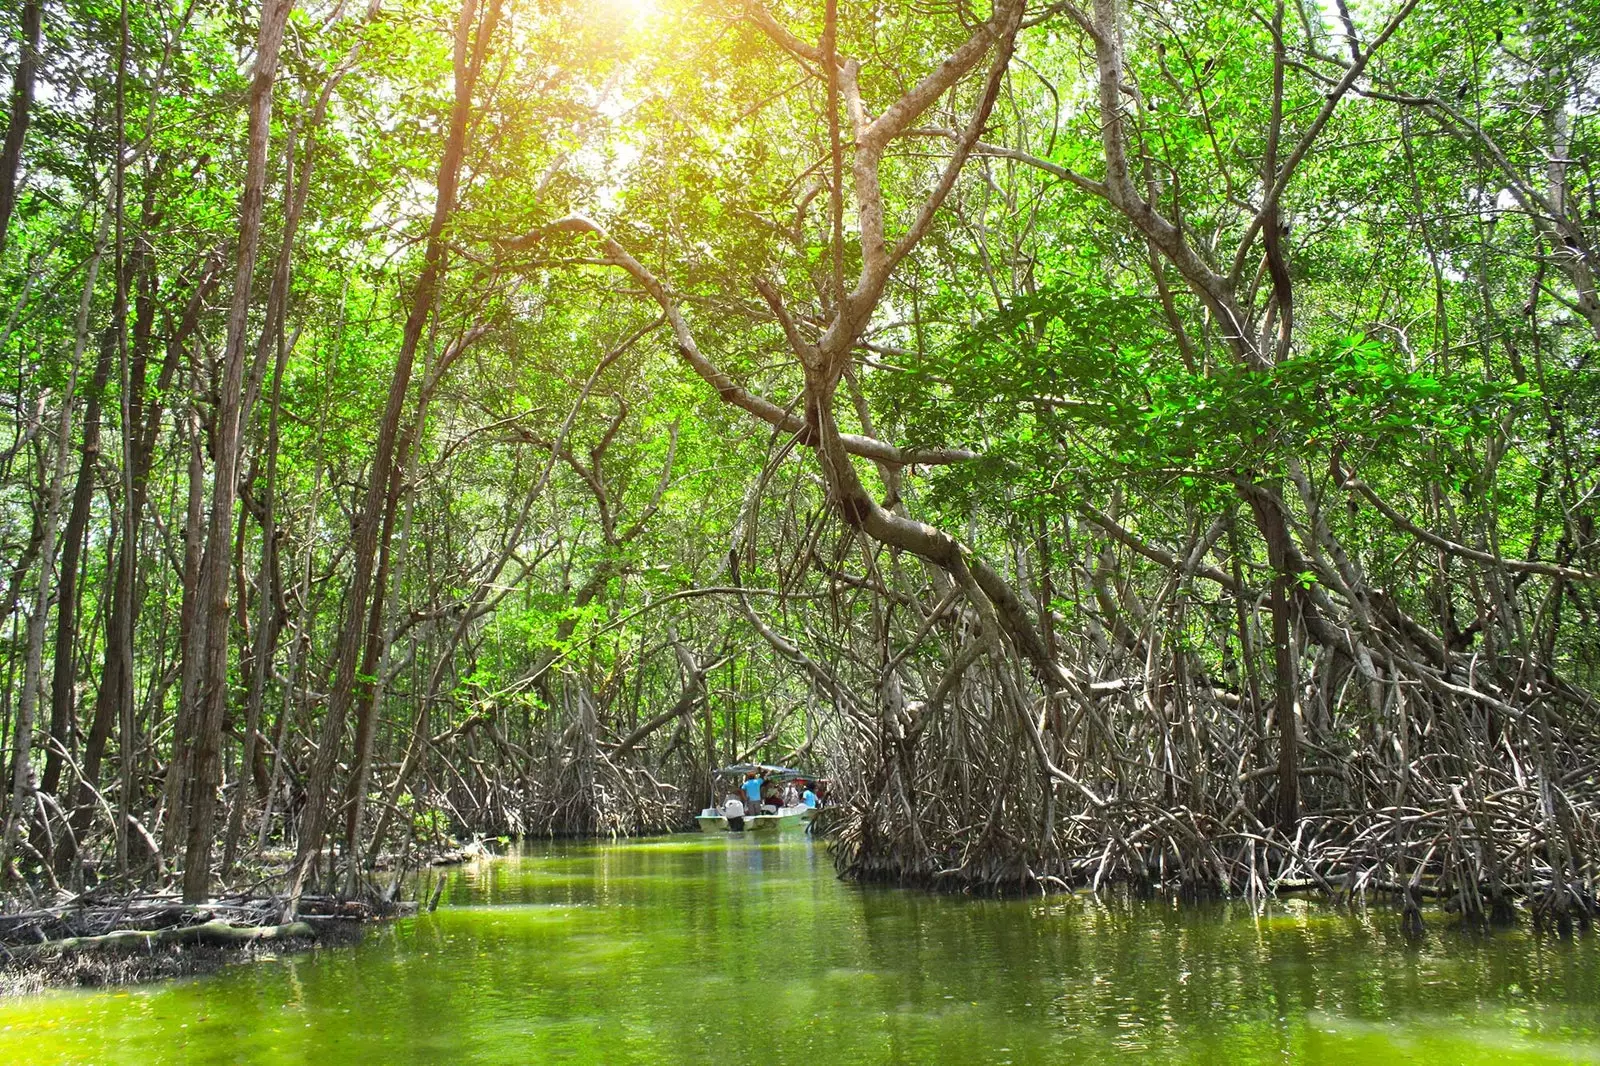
734 950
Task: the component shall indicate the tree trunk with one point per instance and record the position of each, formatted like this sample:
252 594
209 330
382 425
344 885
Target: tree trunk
141 427
470 51
205 770
1267 502
190 623
21 109
266 615
33 661
63 671
381 629
296 188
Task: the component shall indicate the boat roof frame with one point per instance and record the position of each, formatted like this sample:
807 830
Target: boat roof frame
780 773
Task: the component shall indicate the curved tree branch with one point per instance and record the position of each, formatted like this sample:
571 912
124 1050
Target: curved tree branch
730 391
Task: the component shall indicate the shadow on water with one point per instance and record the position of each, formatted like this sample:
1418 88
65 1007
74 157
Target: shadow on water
698 949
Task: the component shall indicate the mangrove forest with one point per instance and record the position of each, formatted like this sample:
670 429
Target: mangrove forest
1108 454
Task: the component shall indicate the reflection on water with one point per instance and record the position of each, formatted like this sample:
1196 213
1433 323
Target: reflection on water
733 950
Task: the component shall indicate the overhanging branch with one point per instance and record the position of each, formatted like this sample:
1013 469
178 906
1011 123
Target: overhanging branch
731 391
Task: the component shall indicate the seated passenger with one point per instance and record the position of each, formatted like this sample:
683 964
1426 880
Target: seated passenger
733 811
808 797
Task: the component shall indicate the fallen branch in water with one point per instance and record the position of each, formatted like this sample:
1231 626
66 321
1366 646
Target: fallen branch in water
218 932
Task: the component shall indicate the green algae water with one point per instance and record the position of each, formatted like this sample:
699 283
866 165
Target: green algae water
731 950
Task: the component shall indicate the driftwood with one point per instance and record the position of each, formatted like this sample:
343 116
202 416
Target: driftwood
216 933
469 852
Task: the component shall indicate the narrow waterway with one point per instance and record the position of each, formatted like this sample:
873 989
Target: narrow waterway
734 950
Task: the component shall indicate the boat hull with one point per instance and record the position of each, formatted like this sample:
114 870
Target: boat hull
772 823
790 818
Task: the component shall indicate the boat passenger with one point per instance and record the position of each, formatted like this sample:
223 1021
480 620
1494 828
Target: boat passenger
752 791
733 811
808 797
791 798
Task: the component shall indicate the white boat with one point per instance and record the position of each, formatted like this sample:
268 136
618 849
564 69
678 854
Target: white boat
715 819
712 820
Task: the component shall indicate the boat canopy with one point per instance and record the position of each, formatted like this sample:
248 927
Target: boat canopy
773 773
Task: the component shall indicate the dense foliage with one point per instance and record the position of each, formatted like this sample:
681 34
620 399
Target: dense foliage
1151 442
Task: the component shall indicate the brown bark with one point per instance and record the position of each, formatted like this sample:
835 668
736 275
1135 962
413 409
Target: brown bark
374 661
694 691
267 627
19 573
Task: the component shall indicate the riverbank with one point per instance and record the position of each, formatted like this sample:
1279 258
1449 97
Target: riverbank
98 939
151 936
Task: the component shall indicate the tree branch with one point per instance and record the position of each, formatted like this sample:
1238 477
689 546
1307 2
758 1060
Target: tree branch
730 391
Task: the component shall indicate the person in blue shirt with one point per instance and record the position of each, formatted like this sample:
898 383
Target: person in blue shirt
752 790
808 797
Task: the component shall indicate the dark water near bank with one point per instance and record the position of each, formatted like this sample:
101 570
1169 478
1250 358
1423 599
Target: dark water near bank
728 950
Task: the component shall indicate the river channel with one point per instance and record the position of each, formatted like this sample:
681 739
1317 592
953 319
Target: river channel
736 950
